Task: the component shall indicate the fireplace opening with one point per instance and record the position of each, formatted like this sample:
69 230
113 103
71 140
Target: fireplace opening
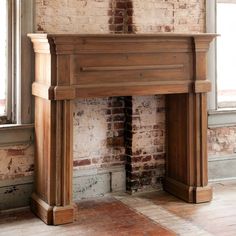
118 145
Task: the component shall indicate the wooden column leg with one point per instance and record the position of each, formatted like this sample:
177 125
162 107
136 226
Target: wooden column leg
52 199
186 169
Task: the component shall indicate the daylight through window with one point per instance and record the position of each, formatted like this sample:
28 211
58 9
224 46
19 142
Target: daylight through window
3 56
226 54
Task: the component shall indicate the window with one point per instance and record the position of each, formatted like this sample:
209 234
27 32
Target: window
226 53
220 18
5 56
16 61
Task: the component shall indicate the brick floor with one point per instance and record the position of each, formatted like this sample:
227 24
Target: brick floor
111 217
98 217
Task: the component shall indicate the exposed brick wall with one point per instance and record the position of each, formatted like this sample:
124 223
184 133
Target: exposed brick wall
146 168
99 133
169 16
121 16
222 141
72 16
145 141
84 16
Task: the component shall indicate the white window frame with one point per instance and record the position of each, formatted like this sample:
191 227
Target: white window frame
25 62
7 117
216 117
20 66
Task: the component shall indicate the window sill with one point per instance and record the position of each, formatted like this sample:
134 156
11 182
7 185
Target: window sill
16 126
221 118
15 134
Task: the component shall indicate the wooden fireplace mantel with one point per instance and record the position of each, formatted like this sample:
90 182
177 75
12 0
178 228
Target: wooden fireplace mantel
72 66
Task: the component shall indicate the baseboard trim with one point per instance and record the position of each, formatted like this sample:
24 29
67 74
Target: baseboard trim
51 215
42 209
16 193
15 210
15 196
222 168
187 193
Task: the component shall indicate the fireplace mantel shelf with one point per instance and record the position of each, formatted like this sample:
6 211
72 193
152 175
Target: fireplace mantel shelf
78 66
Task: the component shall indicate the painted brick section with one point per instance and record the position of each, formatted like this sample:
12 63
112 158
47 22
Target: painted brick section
152 16
99 132
72 16
145 142
84 16
16 161
222 141
120 16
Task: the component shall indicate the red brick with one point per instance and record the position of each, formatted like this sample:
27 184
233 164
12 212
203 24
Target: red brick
129 4
146 158
15 152
119 126
121 5
83 162
118 111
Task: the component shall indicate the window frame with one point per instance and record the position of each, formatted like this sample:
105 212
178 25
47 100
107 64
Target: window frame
216 117
11 32
225 105
19 104
7 117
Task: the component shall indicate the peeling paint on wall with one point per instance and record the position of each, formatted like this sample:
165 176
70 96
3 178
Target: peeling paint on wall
99 132
222 141
16 161
169 16
72 16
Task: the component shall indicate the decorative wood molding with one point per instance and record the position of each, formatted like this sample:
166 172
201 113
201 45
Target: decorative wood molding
73 66
120 68
43 91
202 86
64 93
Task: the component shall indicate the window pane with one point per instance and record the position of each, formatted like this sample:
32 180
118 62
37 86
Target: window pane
226 54
3 56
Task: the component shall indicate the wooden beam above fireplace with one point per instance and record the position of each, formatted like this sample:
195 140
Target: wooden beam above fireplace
124 65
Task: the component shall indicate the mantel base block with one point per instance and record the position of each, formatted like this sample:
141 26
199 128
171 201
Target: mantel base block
51 215
187 193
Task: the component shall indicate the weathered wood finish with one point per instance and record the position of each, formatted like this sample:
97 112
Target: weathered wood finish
72 66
